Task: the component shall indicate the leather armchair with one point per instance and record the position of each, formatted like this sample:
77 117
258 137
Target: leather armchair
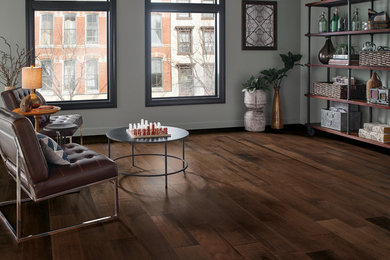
12 99
25 163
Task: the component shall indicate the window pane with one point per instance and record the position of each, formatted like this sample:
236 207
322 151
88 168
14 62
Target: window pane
70 29
47 72
183 15
187 57
156 25
78 70
92 29
92 75
46 37
157 69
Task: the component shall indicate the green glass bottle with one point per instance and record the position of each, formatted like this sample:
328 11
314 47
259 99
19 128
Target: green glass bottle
322 24
335 21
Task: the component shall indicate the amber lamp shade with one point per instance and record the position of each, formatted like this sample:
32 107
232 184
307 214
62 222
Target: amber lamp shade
32 79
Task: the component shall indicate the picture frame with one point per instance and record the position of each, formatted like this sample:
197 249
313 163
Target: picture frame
259 25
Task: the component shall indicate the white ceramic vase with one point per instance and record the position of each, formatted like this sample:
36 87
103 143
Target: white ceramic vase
254 119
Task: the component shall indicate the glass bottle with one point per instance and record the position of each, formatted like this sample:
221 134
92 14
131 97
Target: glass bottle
356 22
335 21
322 24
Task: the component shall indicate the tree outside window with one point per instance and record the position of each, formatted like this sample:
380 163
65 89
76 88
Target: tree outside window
47 76
186 80
208 40
69 75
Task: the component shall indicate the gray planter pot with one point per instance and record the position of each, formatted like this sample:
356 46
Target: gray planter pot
254 119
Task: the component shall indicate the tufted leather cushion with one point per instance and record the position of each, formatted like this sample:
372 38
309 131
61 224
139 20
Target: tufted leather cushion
85 167
12 99
34 167
71 119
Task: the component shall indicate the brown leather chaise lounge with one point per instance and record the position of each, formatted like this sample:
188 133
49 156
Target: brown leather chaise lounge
12 99
24 160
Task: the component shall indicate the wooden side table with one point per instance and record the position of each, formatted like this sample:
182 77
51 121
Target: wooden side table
37 112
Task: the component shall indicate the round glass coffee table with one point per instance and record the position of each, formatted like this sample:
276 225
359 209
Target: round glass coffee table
177 134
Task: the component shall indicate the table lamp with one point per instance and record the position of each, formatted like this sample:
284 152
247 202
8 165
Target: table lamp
32 79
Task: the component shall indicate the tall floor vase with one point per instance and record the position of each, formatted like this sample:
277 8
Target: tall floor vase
277 122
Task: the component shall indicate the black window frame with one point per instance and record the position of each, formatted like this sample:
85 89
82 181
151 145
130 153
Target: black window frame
219 9
98 6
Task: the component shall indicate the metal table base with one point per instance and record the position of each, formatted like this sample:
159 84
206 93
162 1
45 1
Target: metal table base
165 155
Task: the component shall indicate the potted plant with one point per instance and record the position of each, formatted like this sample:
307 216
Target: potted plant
274 78
255 100
11 64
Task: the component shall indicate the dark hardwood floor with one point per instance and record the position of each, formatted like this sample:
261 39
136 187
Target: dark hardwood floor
244 196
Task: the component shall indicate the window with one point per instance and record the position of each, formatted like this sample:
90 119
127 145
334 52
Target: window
157 76
183 15
184 40
47 29
70 29
91 77
156 29
208 40
188 67
208 15
75 43
186 80
47 79
92 29
69 76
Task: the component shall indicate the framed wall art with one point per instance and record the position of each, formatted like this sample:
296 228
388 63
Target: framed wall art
259 25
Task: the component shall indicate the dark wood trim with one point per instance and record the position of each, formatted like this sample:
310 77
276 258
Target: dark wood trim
352 135
331 3
327 34
352 102
243 25
348 67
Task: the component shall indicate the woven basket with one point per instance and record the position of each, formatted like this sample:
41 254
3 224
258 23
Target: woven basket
338 91
374 58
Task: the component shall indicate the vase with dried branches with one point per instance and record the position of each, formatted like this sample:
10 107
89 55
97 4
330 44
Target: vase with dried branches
11 63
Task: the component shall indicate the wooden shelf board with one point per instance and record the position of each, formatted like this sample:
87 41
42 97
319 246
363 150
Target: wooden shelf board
355 67
352 135
344 33
331 3
352 101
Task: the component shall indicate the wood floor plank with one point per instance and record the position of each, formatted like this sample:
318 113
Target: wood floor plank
244 196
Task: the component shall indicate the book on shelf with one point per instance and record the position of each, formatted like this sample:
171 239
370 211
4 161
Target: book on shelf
345 57
377 127
374 136
343 62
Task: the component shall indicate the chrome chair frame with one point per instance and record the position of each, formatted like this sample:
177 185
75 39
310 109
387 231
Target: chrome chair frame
17 233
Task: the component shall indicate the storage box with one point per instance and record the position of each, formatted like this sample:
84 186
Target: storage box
378 137
377 127
338 121
374 58
338 90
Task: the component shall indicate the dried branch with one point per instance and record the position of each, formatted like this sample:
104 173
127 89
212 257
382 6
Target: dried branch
10 65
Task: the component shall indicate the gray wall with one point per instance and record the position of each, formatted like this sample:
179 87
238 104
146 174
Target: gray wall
319 74
131 76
